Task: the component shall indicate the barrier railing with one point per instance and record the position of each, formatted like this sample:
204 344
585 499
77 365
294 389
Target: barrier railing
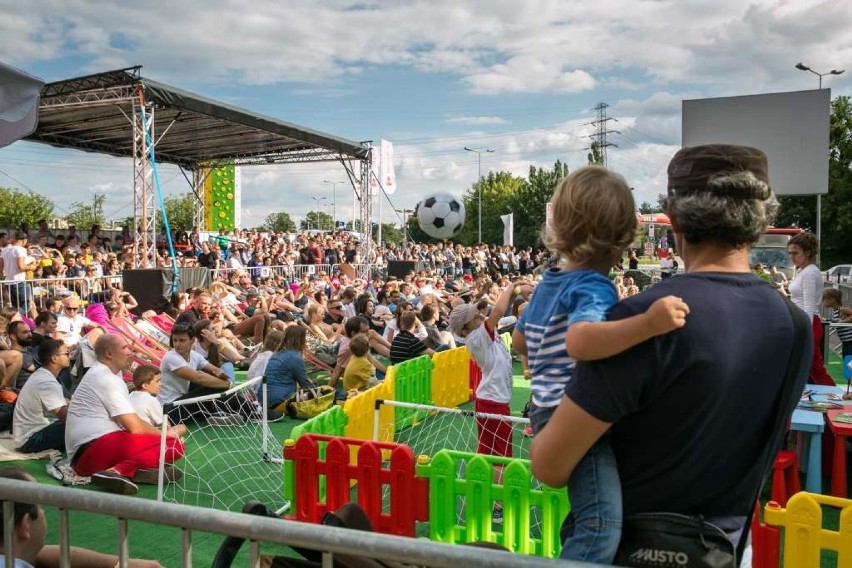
413 383
27 294
329 540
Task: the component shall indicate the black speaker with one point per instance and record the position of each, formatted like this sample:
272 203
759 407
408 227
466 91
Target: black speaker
399 268
152 287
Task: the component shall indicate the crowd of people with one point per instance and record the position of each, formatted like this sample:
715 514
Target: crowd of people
611 369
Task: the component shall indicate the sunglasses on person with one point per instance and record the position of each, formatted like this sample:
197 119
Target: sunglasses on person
335 307
72 308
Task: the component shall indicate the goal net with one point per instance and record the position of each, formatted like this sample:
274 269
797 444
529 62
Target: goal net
430 429
231 454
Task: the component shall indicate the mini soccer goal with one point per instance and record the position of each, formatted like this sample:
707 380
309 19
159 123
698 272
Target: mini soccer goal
231 454
429 429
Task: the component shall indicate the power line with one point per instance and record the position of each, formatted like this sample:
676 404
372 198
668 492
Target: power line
599 138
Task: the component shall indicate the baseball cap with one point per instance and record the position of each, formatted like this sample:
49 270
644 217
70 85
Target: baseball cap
461 316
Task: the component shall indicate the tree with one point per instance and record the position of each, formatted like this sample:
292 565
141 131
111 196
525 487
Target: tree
17 208
317 220
646 208
595 156
497 188
180 210
529 203
836 246
390 233
84 215
279 221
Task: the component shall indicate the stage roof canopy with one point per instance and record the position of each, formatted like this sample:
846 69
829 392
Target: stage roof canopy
93 113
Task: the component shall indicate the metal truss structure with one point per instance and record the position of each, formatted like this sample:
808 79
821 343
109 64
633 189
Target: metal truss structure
102 113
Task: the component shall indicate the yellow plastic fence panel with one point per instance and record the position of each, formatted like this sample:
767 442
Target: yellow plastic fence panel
451 377
361 411
804 535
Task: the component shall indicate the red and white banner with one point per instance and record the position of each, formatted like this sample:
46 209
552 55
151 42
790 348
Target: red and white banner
375 173
388 176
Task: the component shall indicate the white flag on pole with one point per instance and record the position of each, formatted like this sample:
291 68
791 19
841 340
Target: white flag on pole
388 176
508 229
375 173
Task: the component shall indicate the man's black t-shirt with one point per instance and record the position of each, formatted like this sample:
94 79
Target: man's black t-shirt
691 410
208 260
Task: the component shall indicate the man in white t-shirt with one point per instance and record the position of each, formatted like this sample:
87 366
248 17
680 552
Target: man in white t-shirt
14 263
41 408
105 437
71 323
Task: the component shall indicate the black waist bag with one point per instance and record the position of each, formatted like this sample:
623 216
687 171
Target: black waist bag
670 540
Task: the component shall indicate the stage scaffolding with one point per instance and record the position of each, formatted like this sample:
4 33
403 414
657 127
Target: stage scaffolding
102 113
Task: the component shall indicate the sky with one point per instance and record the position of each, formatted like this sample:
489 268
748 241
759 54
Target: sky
519 78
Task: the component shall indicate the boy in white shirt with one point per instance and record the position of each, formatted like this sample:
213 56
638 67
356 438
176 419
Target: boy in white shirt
147 380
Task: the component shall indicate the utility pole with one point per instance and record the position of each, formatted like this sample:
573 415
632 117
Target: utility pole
601 131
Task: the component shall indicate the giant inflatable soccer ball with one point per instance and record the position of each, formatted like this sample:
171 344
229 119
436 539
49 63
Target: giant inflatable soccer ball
440 215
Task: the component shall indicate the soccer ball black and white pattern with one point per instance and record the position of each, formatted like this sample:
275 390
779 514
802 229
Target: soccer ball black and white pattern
440 215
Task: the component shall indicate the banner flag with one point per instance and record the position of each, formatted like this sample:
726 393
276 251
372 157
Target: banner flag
388 176
508 229
375 173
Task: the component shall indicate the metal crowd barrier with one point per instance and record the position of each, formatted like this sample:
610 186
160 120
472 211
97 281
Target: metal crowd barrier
256 530
295 272
24 294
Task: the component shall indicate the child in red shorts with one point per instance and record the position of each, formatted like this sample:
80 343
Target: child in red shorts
494 392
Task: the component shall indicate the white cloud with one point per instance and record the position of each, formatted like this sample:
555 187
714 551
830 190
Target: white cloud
494 47
526 74
476 120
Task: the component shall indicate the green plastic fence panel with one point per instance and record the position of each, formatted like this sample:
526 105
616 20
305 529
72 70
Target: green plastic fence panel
463 493
413 383
507 340
332 422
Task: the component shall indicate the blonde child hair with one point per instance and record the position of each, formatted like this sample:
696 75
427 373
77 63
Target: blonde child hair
594 216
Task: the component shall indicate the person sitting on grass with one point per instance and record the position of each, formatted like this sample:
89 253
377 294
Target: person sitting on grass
106 439
39 420
187 374
271 345
286 371
360 373
30 532
147 380
435 339
405 345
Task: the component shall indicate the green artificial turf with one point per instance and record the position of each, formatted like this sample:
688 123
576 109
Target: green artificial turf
164 543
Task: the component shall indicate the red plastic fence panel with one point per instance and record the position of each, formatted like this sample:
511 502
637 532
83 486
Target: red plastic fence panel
407 501
765 542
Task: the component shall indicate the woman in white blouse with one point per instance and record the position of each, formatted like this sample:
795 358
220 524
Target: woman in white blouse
806 292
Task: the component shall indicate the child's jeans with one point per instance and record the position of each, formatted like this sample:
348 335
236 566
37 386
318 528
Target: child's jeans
592 530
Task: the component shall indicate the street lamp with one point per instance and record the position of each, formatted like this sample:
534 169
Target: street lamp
334 201
317 208
405 213
802 67
479 179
